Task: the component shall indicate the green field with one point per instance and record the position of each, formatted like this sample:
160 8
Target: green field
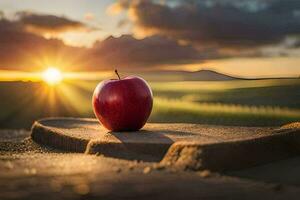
240 102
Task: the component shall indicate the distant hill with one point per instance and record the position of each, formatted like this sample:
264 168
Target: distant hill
208 75
201 75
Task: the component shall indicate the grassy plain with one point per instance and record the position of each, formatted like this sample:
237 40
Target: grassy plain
270 102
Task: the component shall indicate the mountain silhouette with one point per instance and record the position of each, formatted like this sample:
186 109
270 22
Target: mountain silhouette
208 75
201 75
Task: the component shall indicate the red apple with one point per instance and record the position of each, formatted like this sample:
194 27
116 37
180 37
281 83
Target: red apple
123 104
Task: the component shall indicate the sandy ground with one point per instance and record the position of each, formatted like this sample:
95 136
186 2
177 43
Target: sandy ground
29 171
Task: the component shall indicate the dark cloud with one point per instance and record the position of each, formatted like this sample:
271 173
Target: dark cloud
128 52
226 24
21 49
49 23
295 45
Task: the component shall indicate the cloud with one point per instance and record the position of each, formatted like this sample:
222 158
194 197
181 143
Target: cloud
154 51
21 49
1 14
118 7
224 24
43 23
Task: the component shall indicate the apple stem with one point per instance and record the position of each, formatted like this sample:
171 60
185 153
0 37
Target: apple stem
116 71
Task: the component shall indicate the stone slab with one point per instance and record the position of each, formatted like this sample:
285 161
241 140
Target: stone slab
193 146
236 153
87 135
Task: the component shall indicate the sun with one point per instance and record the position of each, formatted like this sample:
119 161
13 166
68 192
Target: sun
52 76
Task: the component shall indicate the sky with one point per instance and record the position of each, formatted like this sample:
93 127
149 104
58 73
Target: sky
249 38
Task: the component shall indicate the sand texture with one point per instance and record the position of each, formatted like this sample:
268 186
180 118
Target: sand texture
31 171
